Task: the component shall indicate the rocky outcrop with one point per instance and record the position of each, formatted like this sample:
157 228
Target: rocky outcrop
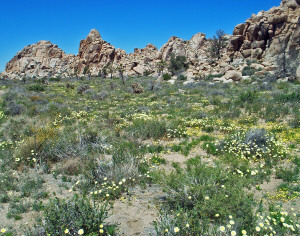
42 59
95 53
272 36
174 45
141 61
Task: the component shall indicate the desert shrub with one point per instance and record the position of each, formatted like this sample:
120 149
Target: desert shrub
127 168
249 62
36 88
199 115
182 78
146 129
17 208
271 113
9 182
288 174
248 71
56 79
70 86
123 165
248 96
33 146
178 64
266 86
109 179
153 86
14 109
290 97
101 96
89 91
4 198
71 216
35 98
270 77
68 143
186 146
166 76
82 88
212 76
29 186
123 151
254 144
197 196
295 122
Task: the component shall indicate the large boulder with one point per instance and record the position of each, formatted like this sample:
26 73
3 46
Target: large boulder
233 75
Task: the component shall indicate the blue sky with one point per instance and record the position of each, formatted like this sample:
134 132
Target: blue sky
126 24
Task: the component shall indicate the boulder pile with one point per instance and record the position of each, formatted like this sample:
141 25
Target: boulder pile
270 40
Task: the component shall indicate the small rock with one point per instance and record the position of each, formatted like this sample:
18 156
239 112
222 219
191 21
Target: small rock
137 88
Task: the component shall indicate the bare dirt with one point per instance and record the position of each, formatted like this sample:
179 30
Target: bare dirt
135 213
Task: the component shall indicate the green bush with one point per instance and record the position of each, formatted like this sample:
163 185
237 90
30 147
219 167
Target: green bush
30 186
14 109
212 76
73 215
288 174
248 96
290 97
178 64
182 78
56 79
248 71
146 129
166 77
36 88
17 208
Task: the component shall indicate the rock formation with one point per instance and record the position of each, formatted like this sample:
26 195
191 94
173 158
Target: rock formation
95 53
271 38
42 59
141 61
